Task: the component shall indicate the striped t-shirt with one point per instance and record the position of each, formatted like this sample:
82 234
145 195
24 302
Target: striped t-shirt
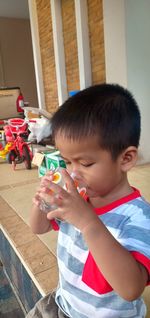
83 291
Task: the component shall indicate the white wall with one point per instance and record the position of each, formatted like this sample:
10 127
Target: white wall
127 54
115 42
138 64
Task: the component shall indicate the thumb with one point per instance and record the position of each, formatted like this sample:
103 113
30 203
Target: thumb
69 182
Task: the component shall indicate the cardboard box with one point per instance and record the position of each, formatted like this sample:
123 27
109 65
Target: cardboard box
8 98
2 138
49 160
31 112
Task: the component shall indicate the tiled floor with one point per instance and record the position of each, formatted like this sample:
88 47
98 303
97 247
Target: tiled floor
35 256
38 254
16 190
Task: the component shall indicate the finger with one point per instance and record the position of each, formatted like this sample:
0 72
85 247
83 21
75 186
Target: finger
36 200
56 201
57 190
46 179
54 214
37 196
70 184
48 176
50 172
46 190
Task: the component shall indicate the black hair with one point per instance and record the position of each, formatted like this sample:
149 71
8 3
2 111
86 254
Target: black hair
106 110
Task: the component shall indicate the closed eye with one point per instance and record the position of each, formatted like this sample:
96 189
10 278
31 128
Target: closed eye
87 164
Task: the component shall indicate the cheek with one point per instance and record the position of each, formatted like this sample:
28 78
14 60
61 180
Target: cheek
99 178
94 181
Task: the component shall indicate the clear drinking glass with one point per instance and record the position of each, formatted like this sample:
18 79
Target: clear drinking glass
45 204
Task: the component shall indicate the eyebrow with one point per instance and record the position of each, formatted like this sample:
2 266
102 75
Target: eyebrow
78 158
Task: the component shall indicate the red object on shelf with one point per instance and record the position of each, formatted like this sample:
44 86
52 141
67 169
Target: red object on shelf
20 103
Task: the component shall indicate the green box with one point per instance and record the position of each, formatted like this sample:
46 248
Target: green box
51 161
42 171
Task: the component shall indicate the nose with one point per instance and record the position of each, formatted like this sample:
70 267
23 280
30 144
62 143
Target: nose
73 168
76 175
78 181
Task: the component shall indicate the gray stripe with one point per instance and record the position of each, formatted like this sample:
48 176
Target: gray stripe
135 232
74 235
72 263
113 219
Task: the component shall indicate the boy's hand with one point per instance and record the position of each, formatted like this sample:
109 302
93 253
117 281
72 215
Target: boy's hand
72 208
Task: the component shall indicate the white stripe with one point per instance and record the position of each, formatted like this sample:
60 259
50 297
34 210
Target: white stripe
142 224
65 241
143 310
128 210
115 232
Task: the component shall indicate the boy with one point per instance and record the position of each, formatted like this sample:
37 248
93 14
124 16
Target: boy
104 240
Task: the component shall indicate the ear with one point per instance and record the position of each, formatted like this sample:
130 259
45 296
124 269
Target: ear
128 158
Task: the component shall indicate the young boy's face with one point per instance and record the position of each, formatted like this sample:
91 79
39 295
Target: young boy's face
93 165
